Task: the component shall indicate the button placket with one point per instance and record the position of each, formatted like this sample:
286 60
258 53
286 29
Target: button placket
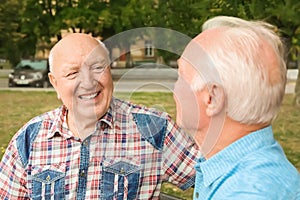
82 173
83 168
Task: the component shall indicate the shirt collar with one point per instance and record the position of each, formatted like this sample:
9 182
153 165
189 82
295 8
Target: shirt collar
107 118
225 160
60 126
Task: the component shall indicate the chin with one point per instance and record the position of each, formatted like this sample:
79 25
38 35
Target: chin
102 108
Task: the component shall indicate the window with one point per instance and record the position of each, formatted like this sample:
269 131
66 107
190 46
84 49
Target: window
149 49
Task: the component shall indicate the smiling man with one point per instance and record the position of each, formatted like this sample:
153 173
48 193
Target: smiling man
82 80
94 146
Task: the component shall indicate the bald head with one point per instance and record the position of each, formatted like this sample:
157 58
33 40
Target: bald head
79 44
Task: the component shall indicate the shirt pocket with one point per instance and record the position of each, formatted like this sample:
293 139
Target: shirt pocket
48 182
120 178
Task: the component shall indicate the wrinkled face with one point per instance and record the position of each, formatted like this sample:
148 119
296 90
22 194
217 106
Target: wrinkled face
187 105
195 70
81 77
198 93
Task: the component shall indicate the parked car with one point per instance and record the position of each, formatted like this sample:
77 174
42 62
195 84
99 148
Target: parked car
32 73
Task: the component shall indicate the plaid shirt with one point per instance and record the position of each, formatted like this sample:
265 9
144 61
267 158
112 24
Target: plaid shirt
132 151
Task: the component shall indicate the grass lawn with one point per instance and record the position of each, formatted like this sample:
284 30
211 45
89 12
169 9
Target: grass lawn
18 107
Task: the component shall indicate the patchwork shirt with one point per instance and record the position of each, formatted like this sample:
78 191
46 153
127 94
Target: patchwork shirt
131 152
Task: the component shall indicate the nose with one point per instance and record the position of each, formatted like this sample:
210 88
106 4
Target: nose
86 79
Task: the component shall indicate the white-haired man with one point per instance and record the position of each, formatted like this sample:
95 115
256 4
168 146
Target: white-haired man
232 76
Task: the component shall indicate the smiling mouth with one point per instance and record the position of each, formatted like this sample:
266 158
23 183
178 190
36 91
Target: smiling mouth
89 96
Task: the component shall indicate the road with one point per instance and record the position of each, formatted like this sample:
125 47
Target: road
146 80
130 80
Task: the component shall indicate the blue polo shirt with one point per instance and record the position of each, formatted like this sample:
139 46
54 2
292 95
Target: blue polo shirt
254 167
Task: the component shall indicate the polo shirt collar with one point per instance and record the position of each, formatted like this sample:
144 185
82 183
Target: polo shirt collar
228 158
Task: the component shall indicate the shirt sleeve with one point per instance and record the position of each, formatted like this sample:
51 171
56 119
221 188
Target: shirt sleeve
12 175
180 154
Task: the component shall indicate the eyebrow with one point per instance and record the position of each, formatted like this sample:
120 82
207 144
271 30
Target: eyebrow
69 67
96 61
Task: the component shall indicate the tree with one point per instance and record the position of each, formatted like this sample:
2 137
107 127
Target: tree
286 16
31 25
282 13
11 37
47 18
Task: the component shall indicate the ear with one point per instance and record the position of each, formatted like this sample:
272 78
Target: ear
215 99
53 83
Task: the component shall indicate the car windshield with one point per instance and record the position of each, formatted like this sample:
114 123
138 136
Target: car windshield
36 65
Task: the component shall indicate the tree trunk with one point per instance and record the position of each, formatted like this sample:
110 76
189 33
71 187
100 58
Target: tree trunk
297 88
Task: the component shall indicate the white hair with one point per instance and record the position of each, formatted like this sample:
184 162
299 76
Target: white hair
50 60
254 87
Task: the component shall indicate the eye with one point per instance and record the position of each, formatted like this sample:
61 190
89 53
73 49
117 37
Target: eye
98 68
71 75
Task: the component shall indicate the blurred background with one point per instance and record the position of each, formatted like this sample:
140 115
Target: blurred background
30 28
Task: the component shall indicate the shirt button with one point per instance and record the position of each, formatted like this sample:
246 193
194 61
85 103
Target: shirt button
48 178
122 171
82 173
197 195
86 143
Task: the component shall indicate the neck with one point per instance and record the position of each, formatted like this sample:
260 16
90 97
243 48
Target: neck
231 132
80 127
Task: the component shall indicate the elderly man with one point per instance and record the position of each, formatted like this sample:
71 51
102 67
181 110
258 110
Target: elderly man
232 76
94 146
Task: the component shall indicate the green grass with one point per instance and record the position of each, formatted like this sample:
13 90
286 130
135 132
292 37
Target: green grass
18 107
287 130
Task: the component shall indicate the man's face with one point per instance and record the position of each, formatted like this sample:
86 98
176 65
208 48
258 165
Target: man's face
187 105
82 79
196 103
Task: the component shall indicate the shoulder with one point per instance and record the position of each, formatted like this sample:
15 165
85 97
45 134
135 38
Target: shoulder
266 173
272 163
259 185
140 114
152 124
132 108
29 129
24 138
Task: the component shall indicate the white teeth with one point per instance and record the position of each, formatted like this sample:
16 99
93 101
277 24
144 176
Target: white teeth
87 97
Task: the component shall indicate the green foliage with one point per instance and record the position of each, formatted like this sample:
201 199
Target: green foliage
10 36
28 22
